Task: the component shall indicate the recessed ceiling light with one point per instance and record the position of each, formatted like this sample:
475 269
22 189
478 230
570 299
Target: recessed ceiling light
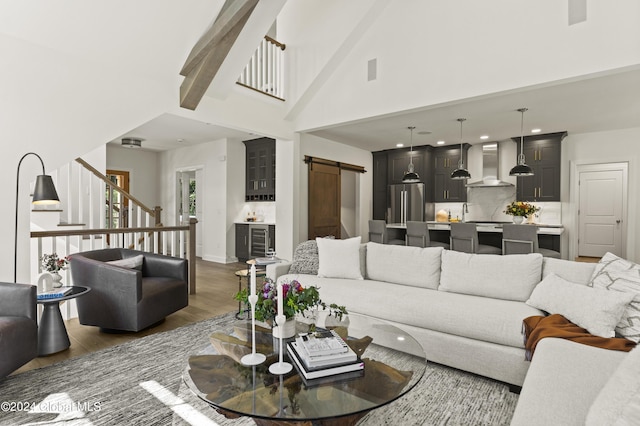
484 137
440 143
399 145
536 130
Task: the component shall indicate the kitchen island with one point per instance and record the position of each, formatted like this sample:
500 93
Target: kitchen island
489 233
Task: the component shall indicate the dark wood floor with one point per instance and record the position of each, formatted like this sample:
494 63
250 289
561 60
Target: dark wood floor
216 286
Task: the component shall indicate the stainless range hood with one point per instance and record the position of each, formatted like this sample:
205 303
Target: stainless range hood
490 167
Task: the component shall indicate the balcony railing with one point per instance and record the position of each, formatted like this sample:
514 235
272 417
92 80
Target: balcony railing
264 72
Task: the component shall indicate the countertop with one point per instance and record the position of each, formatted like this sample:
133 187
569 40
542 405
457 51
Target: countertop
545 229
244 222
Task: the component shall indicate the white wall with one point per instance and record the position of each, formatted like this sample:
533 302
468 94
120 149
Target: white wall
142 166
211 157
235 183
602 147
77 81
439 52
348 205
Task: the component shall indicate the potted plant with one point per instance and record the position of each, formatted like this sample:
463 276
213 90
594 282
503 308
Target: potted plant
298 300
53 264
520 209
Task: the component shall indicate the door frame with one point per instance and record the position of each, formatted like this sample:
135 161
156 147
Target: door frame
198 171
576 170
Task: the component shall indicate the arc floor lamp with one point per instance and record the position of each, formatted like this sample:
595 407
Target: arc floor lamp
44 192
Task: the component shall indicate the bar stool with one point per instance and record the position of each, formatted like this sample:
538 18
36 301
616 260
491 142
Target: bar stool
523 239
464 237
418 236
378 233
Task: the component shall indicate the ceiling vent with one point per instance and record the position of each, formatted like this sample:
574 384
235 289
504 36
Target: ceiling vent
131 142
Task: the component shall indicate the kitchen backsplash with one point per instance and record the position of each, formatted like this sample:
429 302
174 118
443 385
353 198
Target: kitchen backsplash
488 204
264 211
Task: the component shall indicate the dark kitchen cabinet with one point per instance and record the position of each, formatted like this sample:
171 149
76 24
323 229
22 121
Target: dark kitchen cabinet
398 164
445 162
260 169
380 185
543 154
254 240
390 166
242 241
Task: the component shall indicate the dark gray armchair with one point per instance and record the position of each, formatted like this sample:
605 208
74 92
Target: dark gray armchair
18 326
127 299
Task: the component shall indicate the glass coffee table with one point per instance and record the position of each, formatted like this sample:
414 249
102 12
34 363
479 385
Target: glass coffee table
394 363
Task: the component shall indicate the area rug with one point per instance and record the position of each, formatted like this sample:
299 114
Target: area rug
140 383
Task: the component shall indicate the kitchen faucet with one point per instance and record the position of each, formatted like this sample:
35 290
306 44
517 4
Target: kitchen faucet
465 209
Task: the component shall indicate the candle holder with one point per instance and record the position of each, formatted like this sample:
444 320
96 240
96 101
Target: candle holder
280 367
253 358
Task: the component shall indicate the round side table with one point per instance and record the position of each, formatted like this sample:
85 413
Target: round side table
52 334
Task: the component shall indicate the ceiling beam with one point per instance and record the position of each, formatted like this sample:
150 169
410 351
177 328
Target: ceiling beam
210 56
231 14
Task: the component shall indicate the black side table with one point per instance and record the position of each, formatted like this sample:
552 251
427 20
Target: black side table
52 334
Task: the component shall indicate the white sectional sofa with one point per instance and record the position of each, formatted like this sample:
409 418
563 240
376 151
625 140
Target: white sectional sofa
467 312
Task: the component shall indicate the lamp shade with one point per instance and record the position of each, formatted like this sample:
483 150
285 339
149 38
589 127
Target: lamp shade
521 170
45 191
410 177
460 174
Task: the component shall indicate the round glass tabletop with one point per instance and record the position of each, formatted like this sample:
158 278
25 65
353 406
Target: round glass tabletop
394 362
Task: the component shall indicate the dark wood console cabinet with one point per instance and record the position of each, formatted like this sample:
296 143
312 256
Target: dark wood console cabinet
260 169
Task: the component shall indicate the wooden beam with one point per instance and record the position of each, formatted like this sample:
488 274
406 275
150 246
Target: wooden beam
232 12
198 80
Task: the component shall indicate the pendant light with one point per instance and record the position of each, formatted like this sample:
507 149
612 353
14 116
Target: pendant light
521 169
460 173
410 176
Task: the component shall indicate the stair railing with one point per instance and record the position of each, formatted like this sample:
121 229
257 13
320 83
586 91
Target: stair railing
264 72
177 241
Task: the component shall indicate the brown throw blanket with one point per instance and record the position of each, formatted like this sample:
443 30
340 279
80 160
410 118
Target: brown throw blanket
537 327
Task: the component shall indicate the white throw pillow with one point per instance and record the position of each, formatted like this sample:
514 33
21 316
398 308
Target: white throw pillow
339 258
615 273
594 309
618 403
510 277
134 262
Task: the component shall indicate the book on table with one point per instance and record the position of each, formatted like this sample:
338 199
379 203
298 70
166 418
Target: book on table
266 260
55 293
320 371
322 343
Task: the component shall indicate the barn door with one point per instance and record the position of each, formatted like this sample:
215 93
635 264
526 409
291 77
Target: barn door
324 200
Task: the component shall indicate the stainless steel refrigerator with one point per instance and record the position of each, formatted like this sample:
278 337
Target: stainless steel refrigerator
406 202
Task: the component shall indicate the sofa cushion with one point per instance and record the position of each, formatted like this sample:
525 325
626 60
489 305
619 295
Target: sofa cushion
619 400
562 382
577 272
134 262
595 309
615 273
481 318
510 277
339 258
414 266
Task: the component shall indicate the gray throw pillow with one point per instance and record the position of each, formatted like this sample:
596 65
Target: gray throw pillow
305 259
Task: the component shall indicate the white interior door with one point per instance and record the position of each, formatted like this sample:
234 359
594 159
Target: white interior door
602 211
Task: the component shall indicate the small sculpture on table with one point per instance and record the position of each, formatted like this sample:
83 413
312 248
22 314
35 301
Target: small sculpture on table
253 358
280 367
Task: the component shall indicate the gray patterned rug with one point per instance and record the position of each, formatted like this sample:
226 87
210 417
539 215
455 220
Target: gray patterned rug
139 383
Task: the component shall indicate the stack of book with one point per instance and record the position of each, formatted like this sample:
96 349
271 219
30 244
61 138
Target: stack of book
323 354
55 293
